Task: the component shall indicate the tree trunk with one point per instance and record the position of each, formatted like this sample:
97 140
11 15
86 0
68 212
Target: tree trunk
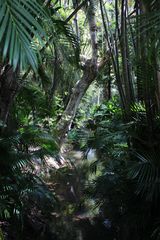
90 71
126 74
8 89
79 90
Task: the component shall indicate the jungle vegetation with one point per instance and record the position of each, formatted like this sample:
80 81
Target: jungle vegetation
79 119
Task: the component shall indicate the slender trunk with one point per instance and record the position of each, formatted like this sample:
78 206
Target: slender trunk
75 5
8 89
113 50
158 90
125 58
107 94
57 70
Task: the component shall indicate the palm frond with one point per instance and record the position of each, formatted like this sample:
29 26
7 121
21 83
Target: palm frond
146 174
156 233
67 38
20 30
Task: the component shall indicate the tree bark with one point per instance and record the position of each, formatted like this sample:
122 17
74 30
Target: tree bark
90 71
127 77
8 89
89 75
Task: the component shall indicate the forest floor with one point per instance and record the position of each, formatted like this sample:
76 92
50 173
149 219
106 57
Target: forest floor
71 224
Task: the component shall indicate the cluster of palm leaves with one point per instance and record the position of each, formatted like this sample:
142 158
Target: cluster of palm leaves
127 188
133 42
34 41
18 152
127 141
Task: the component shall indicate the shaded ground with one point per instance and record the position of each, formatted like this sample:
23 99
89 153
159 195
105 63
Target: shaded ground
69 219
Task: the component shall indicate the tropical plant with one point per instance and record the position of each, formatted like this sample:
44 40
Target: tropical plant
19 153
21 32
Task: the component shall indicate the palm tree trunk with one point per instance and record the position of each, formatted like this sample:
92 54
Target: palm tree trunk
125 58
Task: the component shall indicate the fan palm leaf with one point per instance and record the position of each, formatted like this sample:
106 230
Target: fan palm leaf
146 174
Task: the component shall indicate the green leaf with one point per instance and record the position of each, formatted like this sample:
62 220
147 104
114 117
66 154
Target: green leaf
21 24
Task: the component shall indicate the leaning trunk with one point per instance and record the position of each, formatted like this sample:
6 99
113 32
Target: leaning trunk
80 89
89 74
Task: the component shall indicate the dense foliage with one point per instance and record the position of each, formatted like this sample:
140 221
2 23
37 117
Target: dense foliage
79 119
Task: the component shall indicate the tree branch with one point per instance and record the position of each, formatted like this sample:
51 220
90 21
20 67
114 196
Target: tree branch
75 11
